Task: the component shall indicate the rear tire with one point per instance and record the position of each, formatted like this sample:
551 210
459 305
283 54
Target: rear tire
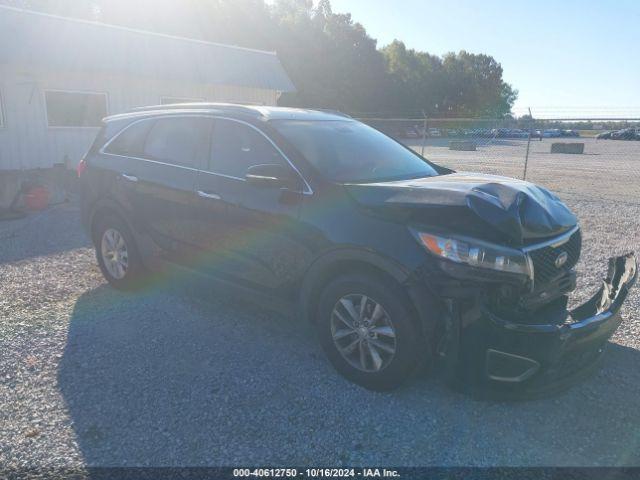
369 332
117 253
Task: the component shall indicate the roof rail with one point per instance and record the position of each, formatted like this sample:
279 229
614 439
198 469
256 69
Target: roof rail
253 111
231 107
333 112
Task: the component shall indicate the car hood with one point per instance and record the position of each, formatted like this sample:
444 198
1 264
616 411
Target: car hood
489 206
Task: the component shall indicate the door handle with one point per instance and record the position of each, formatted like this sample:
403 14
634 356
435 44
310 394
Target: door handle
131 178
214 196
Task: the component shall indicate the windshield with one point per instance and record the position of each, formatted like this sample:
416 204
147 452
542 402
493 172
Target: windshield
346 151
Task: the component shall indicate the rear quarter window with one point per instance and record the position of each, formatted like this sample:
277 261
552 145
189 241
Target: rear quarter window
130 142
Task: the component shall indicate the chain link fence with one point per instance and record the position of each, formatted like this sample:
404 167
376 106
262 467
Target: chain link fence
582 159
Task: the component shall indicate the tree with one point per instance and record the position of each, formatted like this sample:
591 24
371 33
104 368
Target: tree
331 60
416 79
474 86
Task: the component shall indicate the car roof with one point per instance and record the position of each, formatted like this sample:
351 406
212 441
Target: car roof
232 109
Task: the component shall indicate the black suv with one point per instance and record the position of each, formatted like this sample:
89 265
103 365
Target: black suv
398 262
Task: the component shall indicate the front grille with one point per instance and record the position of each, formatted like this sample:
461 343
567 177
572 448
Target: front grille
544 260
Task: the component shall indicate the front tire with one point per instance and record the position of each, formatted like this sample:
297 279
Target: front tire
117 253
368 330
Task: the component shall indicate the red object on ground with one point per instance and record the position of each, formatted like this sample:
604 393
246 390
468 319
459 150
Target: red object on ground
37 198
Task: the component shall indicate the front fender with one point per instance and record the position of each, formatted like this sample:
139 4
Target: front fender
328 262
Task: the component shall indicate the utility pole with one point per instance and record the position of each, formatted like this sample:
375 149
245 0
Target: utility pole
424 133
526 158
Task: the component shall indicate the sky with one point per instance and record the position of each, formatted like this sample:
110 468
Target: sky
567 58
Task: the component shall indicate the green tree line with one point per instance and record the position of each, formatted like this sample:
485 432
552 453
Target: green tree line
332 60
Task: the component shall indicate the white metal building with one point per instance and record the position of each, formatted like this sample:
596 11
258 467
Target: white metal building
59 77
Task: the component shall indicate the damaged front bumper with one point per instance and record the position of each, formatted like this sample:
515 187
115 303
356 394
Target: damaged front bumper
493 353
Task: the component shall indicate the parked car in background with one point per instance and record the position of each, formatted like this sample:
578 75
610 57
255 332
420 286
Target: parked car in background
623 134
410 132
510 133
551 133
569 133
469 132
626 134
536 134
604 136
518 133
400 131
631 133
397 262
434 132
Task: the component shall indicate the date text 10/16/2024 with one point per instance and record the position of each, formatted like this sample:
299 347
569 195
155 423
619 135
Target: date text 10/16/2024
316 472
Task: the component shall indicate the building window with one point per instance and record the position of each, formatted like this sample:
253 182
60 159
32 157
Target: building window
75 109
172 100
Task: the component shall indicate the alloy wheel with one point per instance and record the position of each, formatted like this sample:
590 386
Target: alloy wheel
363 333
114 253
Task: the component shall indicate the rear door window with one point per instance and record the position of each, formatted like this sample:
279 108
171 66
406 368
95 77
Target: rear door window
236 147
180 141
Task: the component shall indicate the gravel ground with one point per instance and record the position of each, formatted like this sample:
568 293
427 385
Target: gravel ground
608 169
182 375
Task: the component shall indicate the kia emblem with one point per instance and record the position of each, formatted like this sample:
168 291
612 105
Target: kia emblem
561 259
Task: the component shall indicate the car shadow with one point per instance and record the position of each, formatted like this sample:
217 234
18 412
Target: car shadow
179 375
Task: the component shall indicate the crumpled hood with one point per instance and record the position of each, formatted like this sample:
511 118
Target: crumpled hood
519 210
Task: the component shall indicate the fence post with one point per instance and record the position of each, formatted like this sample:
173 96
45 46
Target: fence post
526 158
424 134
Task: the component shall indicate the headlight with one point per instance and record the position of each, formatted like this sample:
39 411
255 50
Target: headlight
476 253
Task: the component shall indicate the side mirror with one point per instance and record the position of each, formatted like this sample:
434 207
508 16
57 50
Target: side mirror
272 175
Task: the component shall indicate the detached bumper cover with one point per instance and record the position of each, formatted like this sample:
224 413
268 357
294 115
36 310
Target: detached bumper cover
531 358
